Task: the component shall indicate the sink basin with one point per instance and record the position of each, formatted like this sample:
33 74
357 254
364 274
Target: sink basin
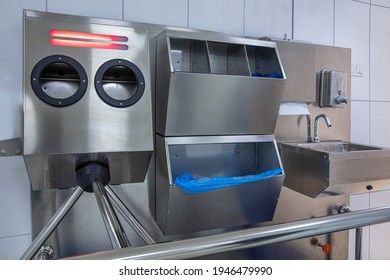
337 147
332 167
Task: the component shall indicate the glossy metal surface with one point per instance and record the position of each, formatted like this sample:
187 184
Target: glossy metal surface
52 224
89 126
333 89
303 63
249 238
208 156
82 231
332 167
316 138
338 147
299 63
114 229
11 147
58 171
236 102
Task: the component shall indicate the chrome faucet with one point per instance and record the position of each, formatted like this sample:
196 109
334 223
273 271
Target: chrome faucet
316 139
308 126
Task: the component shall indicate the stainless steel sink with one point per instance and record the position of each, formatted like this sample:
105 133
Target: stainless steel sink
337 147
332 167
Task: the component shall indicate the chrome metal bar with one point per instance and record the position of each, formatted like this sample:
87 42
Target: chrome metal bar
358 243
114 229
248 238
129 217
52 224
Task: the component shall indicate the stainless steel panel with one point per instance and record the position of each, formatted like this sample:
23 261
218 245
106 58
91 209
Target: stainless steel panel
89 125
190 56
208 156
54 136
228 59
294 128
299 64
83 231
235 206
332 167
11 147
306 175
229 101
236 102
333 87
58 171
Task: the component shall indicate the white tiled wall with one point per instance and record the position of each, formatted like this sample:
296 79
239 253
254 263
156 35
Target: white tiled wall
384 3
217 15
268 18
362 26
360 125
11 64
14 198
112 9
15 222
11 248
360 202
379 123
168 12
379 53
379 241
314 21
352 30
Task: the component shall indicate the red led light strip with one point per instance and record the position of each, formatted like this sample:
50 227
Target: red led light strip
87 36
66 38
86 44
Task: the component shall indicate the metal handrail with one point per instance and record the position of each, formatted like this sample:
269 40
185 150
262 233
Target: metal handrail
248 238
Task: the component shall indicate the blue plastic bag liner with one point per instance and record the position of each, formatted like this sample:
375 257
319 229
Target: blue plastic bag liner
192 185
271 75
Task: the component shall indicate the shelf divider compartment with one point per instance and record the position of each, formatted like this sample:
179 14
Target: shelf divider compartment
189 55
228 59
263 62
204 76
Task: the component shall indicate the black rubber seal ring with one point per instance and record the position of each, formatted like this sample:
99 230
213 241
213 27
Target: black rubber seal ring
112 101
57 102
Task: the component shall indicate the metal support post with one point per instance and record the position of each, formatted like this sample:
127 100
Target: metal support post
358 243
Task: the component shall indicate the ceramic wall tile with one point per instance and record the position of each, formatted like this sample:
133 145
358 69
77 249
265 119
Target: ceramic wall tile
268 18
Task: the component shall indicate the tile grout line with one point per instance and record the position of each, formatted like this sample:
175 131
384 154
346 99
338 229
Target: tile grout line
13 236
292 19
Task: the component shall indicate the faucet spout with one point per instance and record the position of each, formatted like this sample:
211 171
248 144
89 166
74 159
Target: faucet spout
316 139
